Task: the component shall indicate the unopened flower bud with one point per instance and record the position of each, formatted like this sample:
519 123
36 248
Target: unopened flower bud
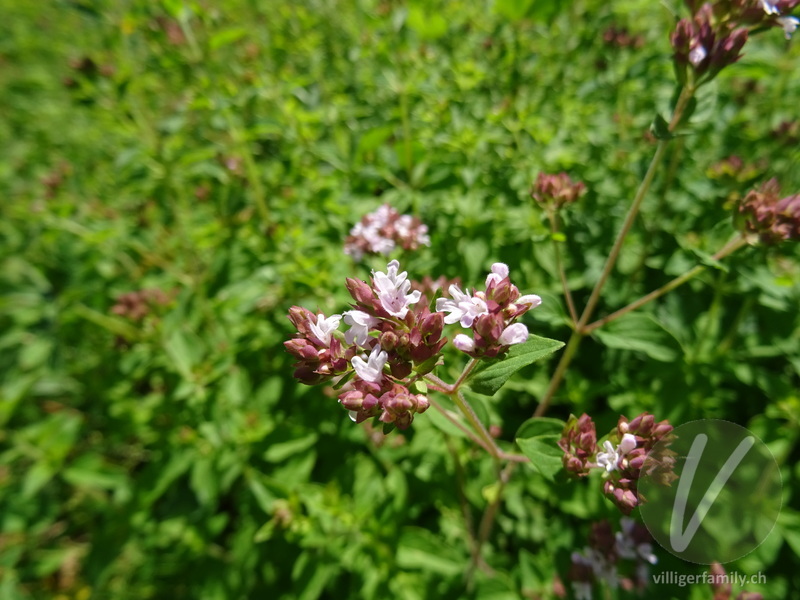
464 343
360 291
388 340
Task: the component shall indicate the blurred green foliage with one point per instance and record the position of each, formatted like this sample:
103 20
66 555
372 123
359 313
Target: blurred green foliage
220 152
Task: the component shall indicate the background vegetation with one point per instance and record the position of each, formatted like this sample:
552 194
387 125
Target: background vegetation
220 152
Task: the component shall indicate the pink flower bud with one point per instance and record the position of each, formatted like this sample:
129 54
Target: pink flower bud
513 334
464 343
360 291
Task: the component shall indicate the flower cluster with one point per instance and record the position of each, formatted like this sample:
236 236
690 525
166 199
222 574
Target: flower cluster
620 37
393 339
629 550
773 218
556 190
137 305
385 334
491 314
579 443
722 588
382 231
715 35
621 457
734 170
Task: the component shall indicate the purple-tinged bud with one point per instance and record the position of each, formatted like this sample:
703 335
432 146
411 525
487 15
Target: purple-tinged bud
490 327
360 291
728 51
422 404
300 318
720 583
625 500
370 401
464 343
432 325
681 40
404 420
400 370
352 400
306 374
501 291
301 348
388 340
556 190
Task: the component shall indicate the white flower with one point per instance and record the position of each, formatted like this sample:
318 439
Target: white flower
499 272
697 54
582 590
789 25
372 369
529 300
462 307
464 343
769 8
610 458
513 334
627 548
392 289
323 328
360 323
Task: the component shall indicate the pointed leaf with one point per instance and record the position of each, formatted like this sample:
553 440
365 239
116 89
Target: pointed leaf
490 375
538 440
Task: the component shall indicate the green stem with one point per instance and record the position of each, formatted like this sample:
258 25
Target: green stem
466 431
577 336
729 248
487 521
560 267
476 423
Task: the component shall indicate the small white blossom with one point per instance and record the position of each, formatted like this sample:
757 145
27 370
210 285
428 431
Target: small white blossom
609 460
462 307
323 328
627 548
392 289
513 334
499 272
789 25
582 590
697 55
769 8
360 324
372 369
464 343
529 300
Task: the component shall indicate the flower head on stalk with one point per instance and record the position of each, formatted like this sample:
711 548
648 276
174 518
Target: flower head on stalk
490 314
617 559
621 457
773 218
381 231
390 342
714 36
556 190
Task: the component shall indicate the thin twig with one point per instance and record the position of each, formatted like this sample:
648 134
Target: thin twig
553 215
729 248
452 418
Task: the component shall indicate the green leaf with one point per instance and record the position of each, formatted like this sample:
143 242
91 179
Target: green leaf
426 23
538 440
660 128
421 549
490 375
281 451
641 333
